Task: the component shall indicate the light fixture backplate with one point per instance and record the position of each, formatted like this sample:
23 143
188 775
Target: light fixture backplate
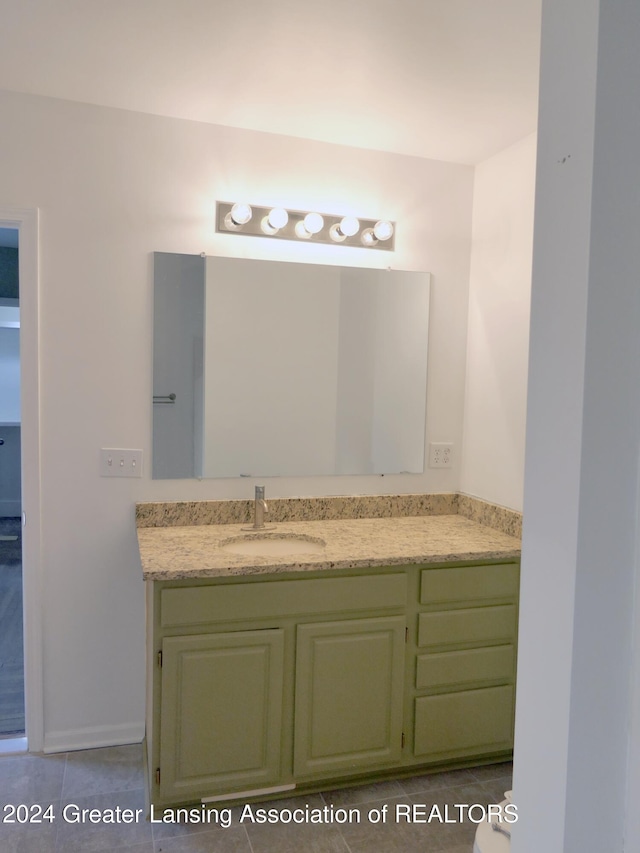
288 232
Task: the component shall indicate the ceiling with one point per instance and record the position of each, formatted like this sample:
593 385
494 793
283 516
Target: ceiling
447 79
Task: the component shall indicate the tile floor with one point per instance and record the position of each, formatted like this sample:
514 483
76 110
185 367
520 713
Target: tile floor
105 779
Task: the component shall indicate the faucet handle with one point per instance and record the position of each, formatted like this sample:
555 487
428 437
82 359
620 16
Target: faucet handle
259 493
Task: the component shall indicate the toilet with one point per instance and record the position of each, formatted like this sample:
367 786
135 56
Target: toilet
487 840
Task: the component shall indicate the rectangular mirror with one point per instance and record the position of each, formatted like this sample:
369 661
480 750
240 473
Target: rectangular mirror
267 368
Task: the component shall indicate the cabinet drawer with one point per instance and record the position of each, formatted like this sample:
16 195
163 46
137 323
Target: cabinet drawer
474 625
471 722
465 668
469 583
193 605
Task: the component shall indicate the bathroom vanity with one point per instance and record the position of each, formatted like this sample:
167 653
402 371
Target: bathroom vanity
390 649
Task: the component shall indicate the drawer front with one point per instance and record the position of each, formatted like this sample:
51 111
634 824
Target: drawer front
472 722
193 605
469 583
449 670
468 626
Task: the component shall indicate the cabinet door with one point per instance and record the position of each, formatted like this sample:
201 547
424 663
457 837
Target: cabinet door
221 712
349 690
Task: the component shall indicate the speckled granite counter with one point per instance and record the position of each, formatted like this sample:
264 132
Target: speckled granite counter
169 553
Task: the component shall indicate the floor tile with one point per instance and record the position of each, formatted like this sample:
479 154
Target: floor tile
492 771
286 836
232 840
31 778
437 781
30 838
455 812
218 818
363 794
100 771
451 837
496 788
459 797
85 823
391 825
289 838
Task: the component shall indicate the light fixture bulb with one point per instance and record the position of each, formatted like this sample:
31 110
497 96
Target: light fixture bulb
313 222
336 234
368 237
267 227
278 217
229 224
349 226
241 213
383 229
301 230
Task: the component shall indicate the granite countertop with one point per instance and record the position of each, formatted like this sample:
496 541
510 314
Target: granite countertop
169 553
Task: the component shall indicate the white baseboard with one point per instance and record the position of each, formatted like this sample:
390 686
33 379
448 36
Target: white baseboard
93 737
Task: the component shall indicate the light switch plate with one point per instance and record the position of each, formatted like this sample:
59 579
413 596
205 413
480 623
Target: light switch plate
120 462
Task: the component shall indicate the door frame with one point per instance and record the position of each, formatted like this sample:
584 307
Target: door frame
26 221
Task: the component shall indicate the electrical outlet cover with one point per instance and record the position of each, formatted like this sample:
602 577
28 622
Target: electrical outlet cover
440 454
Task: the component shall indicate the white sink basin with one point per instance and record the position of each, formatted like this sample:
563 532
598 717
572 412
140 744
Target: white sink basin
273 545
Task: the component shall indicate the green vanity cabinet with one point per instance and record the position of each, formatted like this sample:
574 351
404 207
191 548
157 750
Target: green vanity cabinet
262 684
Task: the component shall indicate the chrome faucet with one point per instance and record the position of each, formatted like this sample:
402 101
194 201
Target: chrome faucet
260 509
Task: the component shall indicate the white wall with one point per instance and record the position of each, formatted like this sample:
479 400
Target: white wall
113 187
498 334
576 666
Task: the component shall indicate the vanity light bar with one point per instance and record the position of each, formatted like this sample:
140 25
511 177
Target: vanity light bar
305 226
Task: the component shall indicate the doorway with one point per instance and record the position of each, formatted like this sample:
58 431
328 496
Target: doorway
12 718
20 512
